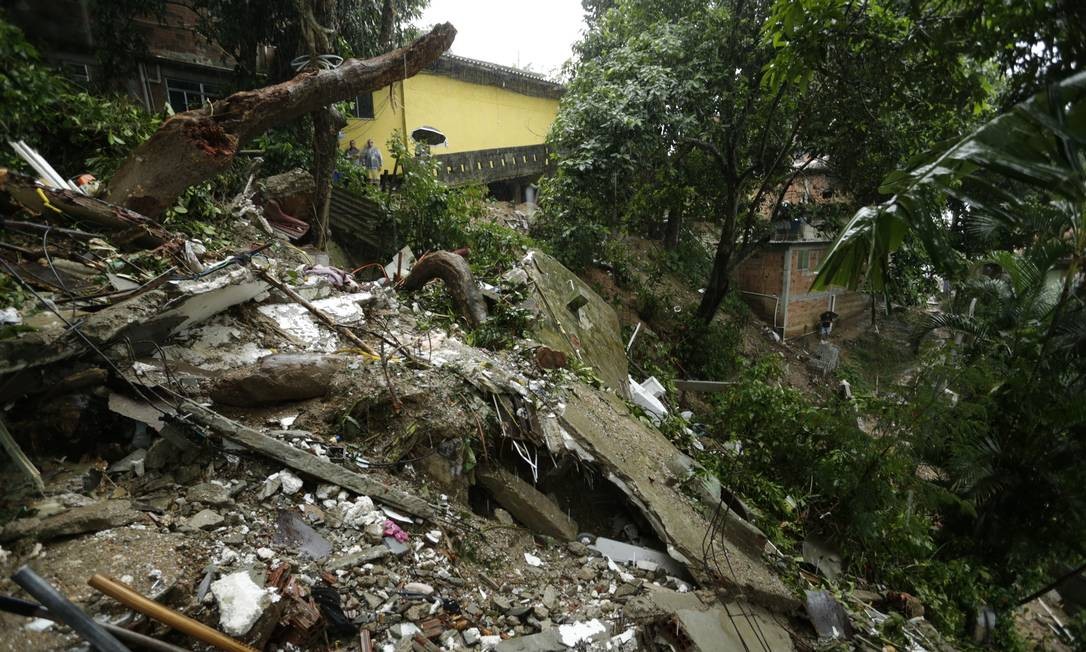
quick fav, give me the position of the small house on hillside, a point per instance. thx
(776, 281)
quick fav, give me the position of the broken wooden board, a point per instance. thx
(20, 459)
(635, 458)
(306, 463)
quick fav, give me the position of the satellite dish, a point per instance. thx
(428, 135)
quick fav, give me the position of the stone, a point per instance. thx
(527, 504)
(500, 603)
(404, 630)
(471, 636)
(417, 612)
(546, 641)
(203, 520)
(550, 597)
(277, 379)
(359, 558)
(134, 462)
(577, 548)
(102, 515)
(503, 517)
(209, 493)
(241, 602)
(451, 640)
(519, 611)
(626, 589)
(418, 587)
(548, 358)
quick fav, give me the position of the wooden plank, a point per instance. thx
(306, 463)
(704, 386)
(19, 457)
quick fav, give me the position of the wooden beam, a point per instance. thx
(20, 458)
(306, 463)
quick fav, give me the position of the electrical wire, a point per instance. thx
(74, 328)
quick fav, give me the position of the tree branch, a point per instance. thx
(196, 145)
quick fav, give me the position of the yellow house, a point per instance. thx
(494, 117)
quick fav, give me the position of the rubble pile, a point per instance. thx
(252, 449)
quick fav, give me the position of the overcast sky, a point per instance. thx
(535, 34)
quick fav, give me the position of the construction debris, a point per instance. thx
(286, 452)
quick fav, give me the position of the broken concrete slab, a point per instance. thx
(278, 378)
(297, 321)
(96, 516)
(208, 493)
(359, 558)
(635, 456)
(203, 520)
(628, 553)
(549, 640)
(695, 625)
(526, 503)
(589, 331)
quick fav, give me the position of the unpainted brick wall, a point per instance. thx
(762, 273)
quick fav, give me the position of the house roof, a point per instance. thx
(491, 74)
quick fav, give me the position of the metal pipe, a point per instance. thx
(32, 610)
(66, 612)
(776, 305)
(133, 600)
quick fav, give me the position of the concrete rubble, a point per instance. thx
(276, 481)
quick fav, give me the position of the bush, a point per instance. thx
(75, 131)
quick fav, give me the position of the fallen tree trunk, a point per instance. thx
(24, 191)
(454, 270)
(196, 145)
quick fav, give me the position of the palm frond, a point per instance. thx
(1038, 144)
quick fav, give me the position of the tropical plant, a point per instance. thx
(1020, 370)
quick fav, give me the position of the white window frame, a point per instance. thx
(205, 92)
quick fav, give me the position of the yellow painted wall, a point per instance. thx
(472, 116)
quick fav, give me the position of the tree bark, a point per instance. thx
(196, 145)
(326, 122)
(673, 228)
(388, 23)
(454, 270)
(720, 275)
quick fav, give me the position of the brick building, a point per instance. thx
(776, 280)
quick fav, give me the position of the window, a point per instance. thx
(186, 95)
(807, 261)
(363, 106)
(77, 72)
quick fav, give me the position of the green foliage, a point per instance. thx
(288, 147)
(1036, 145)
(75, 131)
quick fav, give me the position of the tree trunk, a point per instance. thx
(454, 270)
(326, 125)
(196, 145)
(720, 275)
(673, 228)
(388, 24)
(326, 122)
